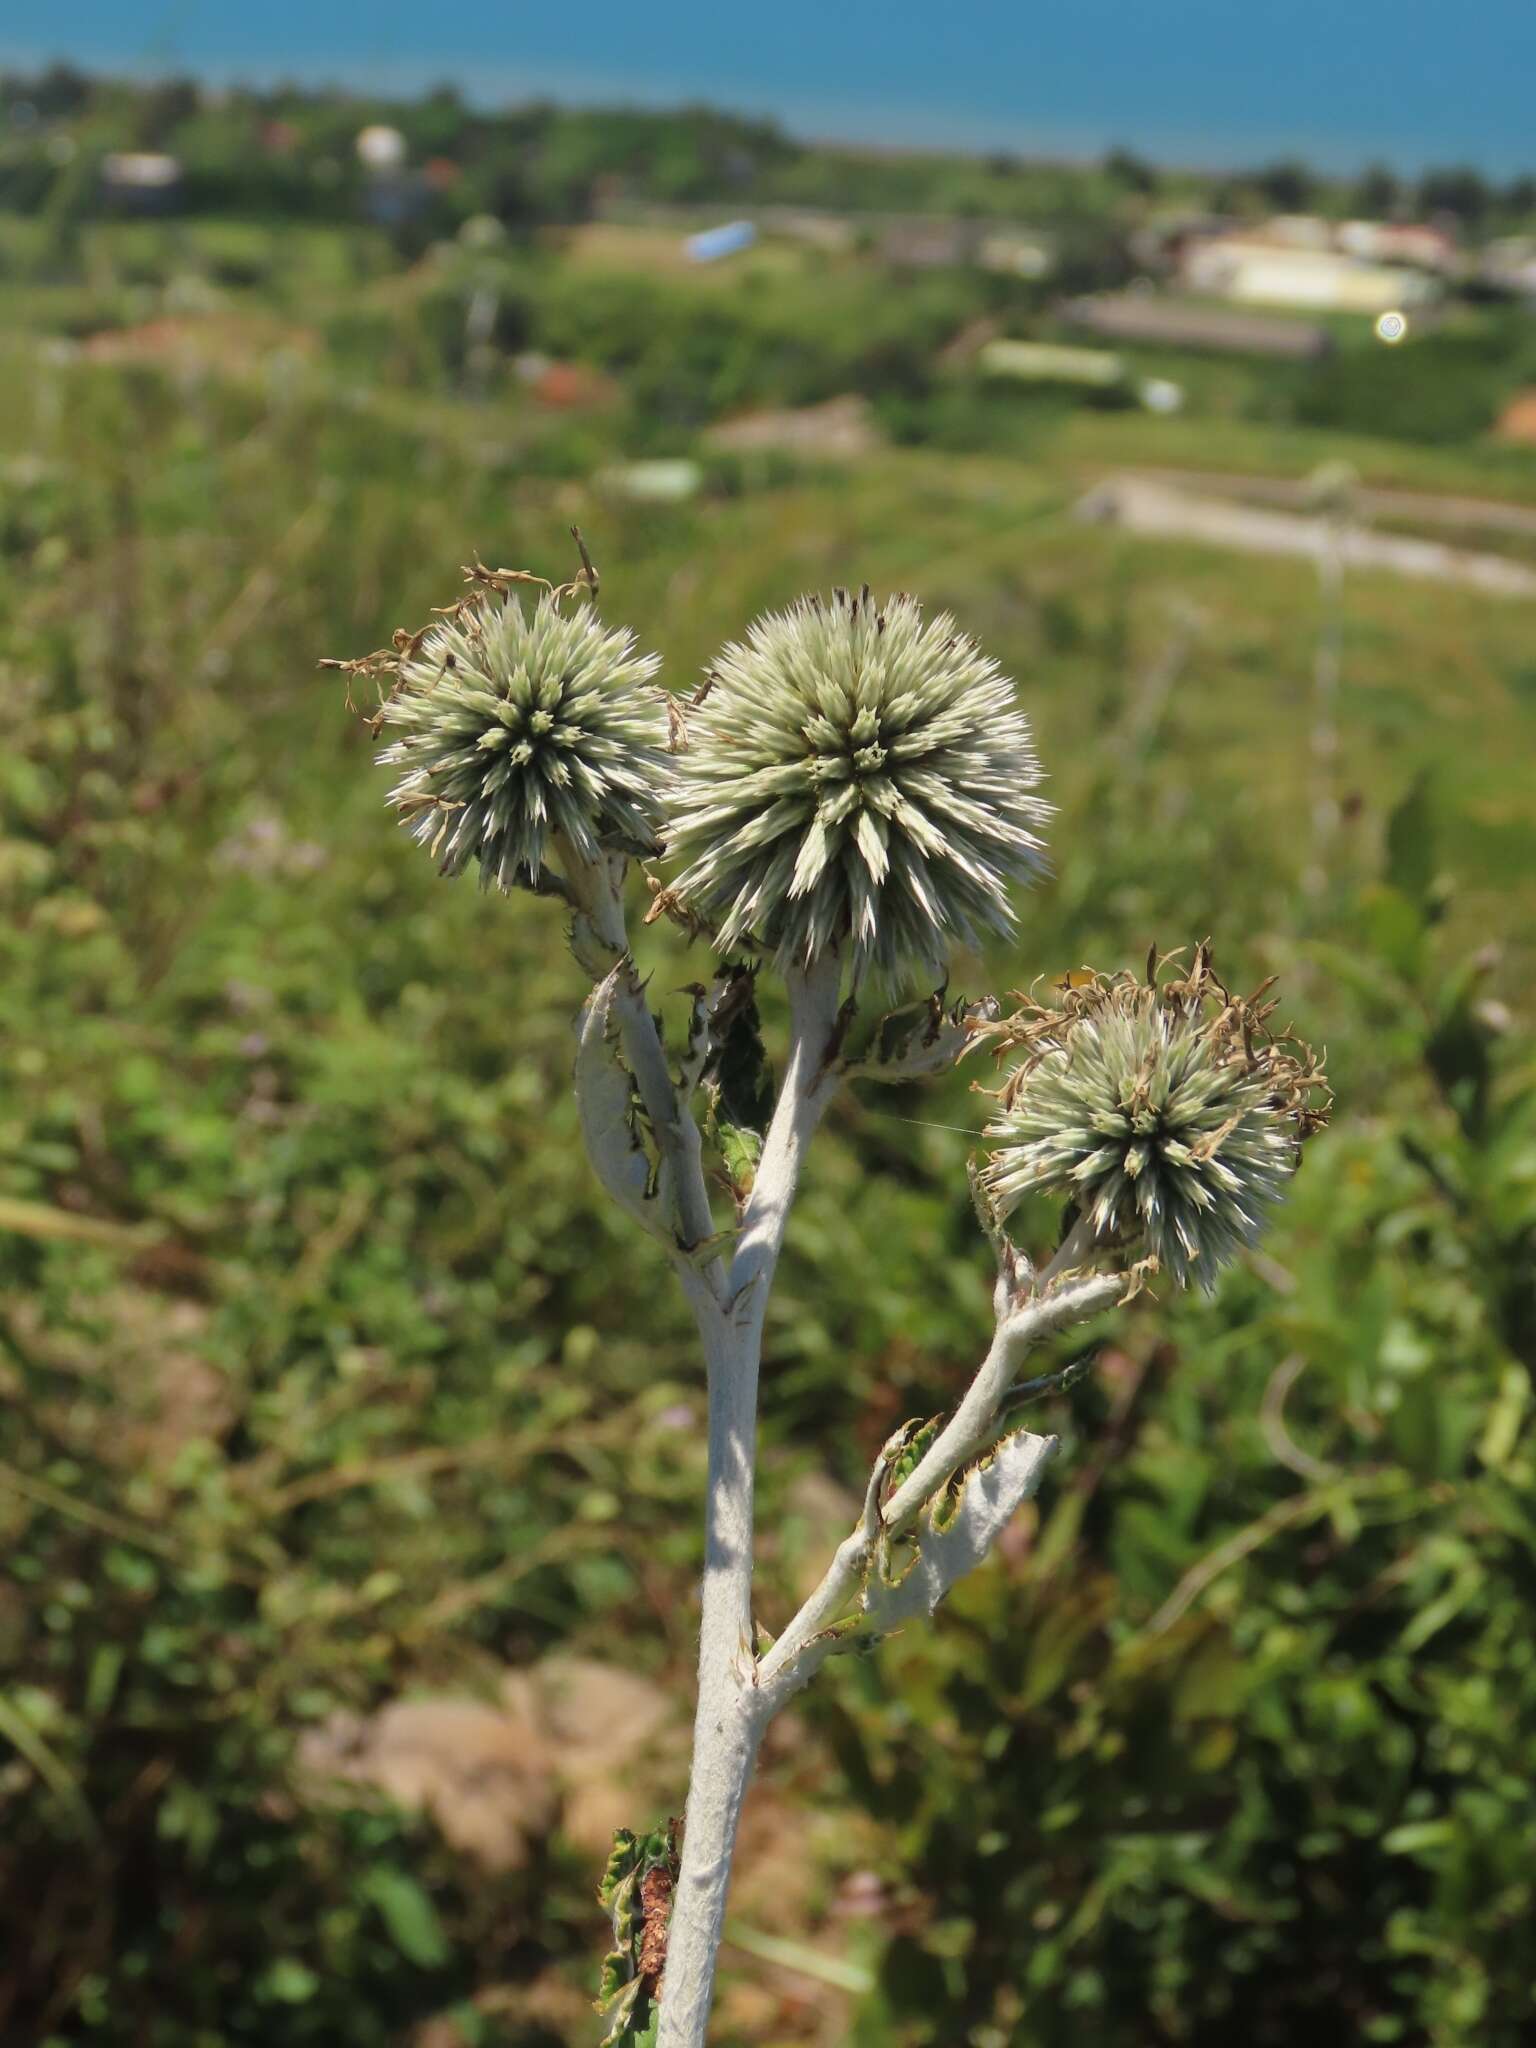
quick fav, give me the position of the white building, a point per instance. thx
(1256, 271)
(140, 180)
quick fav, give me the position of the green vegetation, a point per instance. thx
(315, 1393)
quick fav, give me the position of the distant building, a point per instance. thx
(1047, 362)
(839, 430)
(1257, 270)
(715, 243)
(1014, 253)
(665, 481)
(1510, 265)
(819, 229)
(914, 241)
(141, 180)
(1400, 241)
(1162, 243)
(380, 150)
(921, 244)
(1167, 323)
(1299, 231)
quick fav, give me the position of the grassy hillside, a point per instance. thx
(330, 1380)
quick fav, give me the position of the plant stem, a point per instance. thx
(726, 1730)
(970, 1428)
(804, 1645)
(729, 1723)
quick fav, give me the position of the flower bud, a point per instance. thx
(856, 776)
(1167, 1113)
(515, 727)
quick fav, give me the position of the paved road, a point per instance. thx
(1143, 505)
(1428, 508)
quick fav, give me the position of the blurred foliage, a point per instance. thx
(287, 151)
(560, 232)
(1236, 1751)
(329, 1379)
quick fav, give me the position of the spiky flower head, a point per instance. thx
(1166, 1111)
(519, 724)
(856, 774)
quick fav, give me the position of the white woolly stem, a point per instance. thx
(804, 1645)
(810, 1082)
(737, 1695)
(970, 1428)
(731, 1715)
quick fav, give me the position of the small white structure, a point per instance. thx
(1161, 395)
(663, 481)
(1013, 253)
(140, 181)
(140, 170)
(1048, 362)
(379, 149)
(714, 243)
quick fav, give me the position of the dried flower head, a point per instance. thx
(858, 775)
(517, 725)
(1166, 1110)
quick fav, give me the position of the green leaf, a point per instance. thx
(289, 1981)
(740, 1151)
(1411, 852)
(408, 1914)
(1418, 1834)
(737, 1082)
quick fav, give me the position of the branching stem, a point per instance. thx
(738, 1695)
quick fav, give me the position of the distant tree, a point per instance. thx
(1459, 190)
(1130, 170)
(436, 125)
(1288, 186)
(1090, 257)
(59, 90)
(165, 106)
(1520, 194)
(1377, 191)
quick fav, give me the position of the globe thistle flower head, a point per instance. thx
(1167, 1112)
(856, 774)
(516, 725)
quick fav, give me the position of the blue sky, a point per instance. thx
(1202, 81)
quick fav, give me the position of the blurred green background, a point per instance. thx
(351, 1454)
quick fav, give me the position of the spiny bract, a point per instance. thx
(1167, 1114)
(858, 775)
(517, 726)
